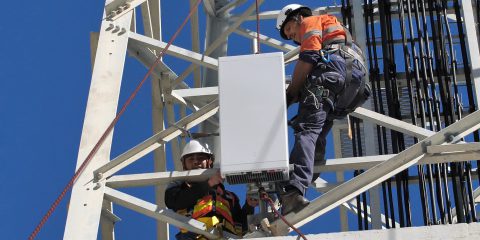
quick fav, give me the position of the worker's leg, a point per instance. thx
(307, 126)
(320, 146)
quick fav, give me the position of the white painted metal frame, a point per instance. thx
(93, 193)
(379, 173)
(87, 199)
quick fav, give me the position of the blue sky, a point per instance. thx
(45, 76)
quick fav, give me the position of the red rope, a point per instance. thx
(267, 199)
(258, 27)
(108, 130)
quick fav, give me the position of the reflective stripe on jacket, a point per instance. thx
(216, 207)
(209, 205)
(318, 31)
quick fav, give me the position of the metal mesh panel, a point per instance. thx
(405, 110)
(254, 177)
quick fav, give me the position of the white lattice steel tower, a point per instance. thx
(99, 187)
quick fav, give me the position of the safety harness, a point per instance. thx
(351, 95)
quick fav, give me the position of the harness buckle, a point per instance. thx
(322, 92)
(325, 56)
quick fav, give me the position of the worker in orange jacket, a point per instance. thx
(207, 201)
(328, 62)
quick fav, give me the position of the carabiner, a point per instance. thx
(325, 56)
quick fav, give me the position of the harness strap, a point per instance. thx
(348, 51)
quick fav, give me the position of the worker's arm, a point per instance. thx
(240, 214)
(182, 195)
(300, 73)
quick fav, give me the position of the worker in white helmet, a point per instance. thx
(207, 201)
(328, 82)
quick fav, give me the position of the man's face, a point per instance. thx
(197, 161)
(292, 30)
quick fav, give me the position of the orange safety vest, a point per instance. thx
(318, 31)
(215, 205)
(209, 205)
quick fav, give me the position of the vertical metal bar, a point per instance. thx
(378, 105)
(171, 116)
(159, 156)
(391, 90)
(429, 69)
(408, 213)
(158, 122)
(340, 176)
(385, 205)
(358, 198)
(107, 223)
(463, 190)
(147, 21)
(472, 43)
(471, 77)
(474, 56)
(195, 35)
(359, 21)
(435, 101)
(421, 104)
(447, 194)
(392, 209)
(86, 201)
(413, 108)
(359, 206)
(216, 26)
(425, 67)
(471, 198)
(356, 122)
(459, 208)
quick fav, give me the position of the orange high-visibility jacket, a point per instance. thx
(186, 199)
(318, 31)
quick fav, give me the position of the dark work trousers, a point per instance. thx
(309, 125)
(312, 124)
(320, 146)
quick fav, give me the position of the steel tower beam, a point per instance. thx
(472, 44)
(154, 211)
(141, 41)
(93, 194)
(265, 40)
(87, 199)
(368, 129)
(380, 172)
(155, 141)
(151, 16)
(331, 165)
(195, 35)
(219, 41)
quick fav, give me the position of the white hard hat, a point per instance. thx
(194, 146)
(285, 13)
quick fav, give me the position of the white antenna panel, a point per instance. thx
(253, 118)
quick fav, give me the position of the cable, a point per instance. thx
(258, 27)
(264, 196)
(108, 130)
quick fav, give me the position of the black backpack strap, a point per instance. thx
(348, 37)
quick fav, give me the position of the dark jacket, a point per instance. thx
(181, 196)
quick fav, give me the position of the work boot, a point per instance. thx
(292, 200)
